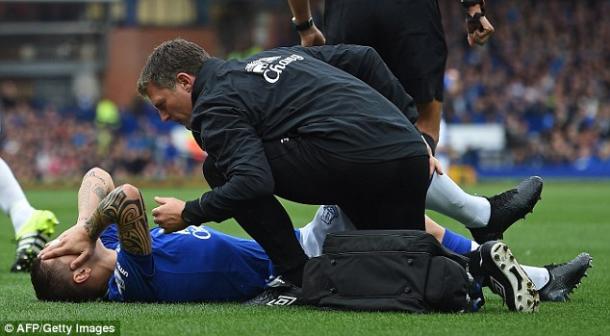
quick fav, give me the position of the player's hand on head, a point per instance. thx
(168, 215)
(74, 241)
(62, 244)
(312, 37)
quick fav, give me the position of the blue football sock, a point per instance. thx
(456, 242)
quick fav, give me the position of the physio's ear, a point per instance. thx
(185, 80)
(81, 275)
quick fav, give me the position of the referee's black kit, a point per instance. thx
(322, 125)
(408, 34)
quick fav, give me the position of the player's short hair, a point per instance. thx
(52, 281)
(167, 60)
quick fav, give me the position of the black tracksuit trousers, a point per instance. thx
(387, 195)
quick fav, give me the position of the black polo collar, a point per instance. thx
(208, 69)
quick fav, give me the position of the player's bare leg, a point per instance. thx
(429, 121)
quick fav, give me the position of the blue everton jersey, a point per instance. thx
(195, 264)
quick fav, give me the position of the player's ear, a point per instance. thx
(185, 80)
(81, 275)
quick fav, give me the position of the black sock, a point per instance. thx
(475, 269)
(474, 265)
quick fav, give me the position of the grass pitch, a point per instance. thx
(572, 217)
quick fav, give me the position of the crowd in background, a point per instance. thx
(43, 143)
(545, 75)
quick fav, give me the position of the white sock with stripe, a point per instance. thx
(448, 198)
(539, 275)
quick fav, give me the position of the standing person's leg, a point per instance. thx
(409, 37)
(351, 21)
(33, 228)
(267, 222)
(416, 52)
(429, 121)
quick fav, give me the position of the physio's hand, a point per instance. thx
(312, 37)
(74, 241)
(168, 214)
(435, 165)
(479, 31)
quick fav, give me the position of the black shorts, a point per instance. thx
(408, 34)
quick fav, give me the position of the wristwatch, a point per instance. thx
(302, 26)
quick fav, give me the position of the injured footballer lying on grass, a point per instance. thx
(127, 262)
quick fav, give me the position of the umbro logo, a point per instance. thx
(282, 300)
(270, 67)
(497, 287)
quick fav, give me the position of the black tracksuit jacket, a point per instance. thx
(341, 98)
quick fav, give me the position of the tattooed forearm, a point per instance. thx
(84, 202)
(106, 213)
(95, 186)
(129, 214)
(100, 185)
(99, 192)
(95, 175)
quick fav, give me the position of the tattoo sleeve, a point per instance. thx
(130, 216)
(92, 190)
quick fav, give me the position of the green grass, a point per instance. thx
(572, 217)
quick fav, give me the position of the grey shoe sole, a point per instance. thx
(509, 280)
